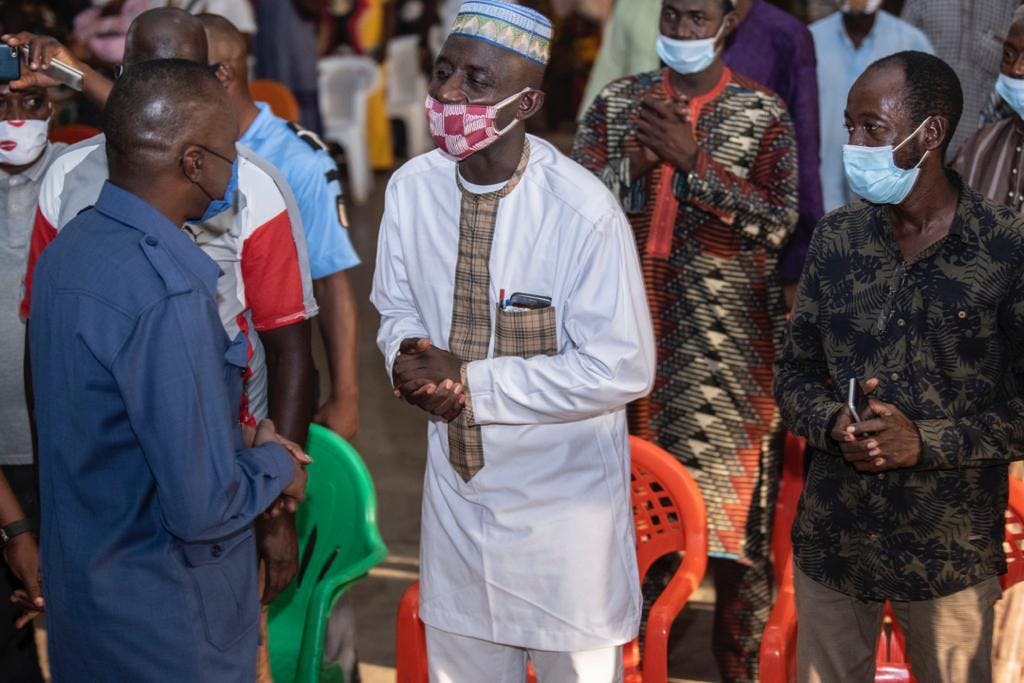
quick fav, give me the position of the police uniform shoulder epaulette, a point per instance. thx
(165, 266)
(307, 136)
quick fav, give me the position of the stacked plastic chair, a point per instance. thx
(345, 84)
(407, 91)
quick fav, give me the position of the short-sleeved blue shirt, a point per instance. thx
(315, 182)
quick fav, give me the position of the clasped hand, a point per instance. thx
(665, 131)
(884, 439)
(295, 492)
(429, 378)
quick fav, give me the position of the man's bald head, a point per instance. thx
(165, 33)
(158, 109)
(227, 45)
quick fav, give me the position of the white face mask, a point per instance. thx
(870, 7)
(21, 142)
(688, 56)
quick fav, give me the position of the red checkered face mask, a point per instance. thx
(462, 129)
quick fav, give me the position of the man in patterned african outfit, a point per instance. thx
(704, 163)
(919, 294)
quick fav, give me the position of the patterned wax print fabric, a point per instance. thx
(715, 301)
(945, 335)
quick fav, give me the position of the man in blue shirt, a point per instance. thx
(846, 43)
(148, 496)
(303, 160)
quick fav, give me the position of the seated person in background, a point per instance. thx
(254, 233)
(918, 293)
(148, 494)
(25, 154)
(992, 160)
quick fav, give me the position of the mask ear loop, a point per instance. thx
(504, 103)
(911, 137)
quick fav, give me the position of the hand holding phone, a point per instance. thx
(856, 400)
(10, 65)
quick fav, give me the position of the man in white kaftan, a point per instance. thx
(521, 270)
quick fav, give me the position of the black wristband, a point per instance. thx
(7, 533)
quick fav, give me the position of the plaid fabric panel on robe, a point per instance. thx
(470, 335)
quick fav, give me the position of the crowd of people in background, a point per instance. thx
(733, 209)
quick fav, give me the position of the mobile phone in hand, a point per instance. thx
(59, 71)
(10, 65)
(856, 400)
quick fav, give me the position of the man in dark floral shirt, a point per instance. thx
(918, 294)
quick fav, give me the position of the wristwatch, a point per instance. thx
(22, 526)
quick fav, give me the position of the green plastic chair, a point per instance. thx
(338, 545)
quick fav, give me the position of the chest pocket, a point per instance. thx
(960, 337)
(525, 333)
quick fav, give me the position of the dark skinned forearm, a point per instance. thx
(339, 328)
(289, 373)
(290, 397)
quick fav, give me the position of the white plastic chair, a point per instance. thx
(407, 90)
(346, 82)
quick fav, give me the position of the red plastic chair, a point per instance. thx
(778, 644)
(790, 486)
(281, 100)
(669, 516)
(72, 133)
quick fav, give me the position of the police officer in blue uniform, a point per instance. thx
(148, 493)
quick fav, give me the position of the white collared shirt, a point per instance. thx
(536, 550)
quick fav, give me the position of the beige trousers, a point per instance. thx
(949, 639)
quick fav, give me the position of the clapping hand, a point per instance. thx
(295, 492)
(664, 127)
(429, 378)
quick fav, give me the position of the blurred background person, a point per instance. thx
(968, 35)
(992, 159)
(286, 51)
(846, 42)
(769, 46)
(25, 154)
(238, 12)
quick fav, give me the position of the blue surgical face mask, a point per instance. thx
(1012, 92)
(688, 56)
(219, 206)
(873, 174)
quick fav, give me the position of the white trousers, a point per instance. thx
(460, 659)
